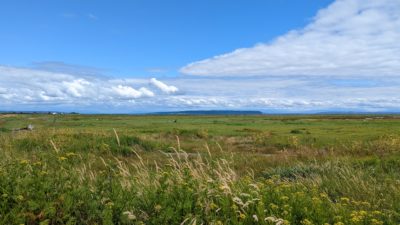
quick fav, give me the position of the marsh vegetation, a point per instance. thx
(111, 169)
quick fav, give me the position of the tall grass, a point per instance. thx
(63, 187)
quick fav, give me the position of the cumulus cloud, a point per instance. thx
(33, 86)
(348, 38)
(163, 87)
(131, 93)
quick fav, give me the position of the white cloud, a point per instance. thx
(76, 87)
(33, 86)
(27, 89)
(348, 38)
(146, 92)
(131, 93)
(163, 87)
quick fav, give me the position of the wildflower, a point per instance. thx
(284, 198)
(306, 222)
(269, 181)
(376, 222)
(365, 204)
(20, 198)
(358, 216)
(23, 161)
(323, 195)
(273, 206)
(62, 158)
(242, 216)
(157, 208)
(37, 163)
(213, 206)
(376, 213)
(345, 200)
(69, 154)
(224, 187)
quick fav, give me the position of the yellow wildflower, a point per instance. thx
(70, 154)
(376, 213)
(213, 206)
(345, 200)
(24, 161)
(376, 222)
(306, 222)
(358, 216)
(37, 163)
(157, 208)
(323, 195)
(284, 198)
(269, 181)
(365, 204)
(273, 206)
(20, 198)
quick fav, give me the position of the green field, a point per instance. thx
(269, 169)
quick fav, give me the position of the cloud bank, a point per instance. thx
(28, 86)
(348, 38)
(33, 89)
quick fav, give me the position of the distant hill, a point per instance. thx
(210, 112)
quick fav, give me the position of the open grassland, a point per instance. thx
(116, 169)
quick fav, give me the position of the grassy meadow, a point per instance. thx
(120, 169)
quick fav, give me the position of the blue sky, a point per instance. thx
(134, 38)
(144, 56)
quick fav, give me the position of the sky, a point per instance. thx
(138, 56)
